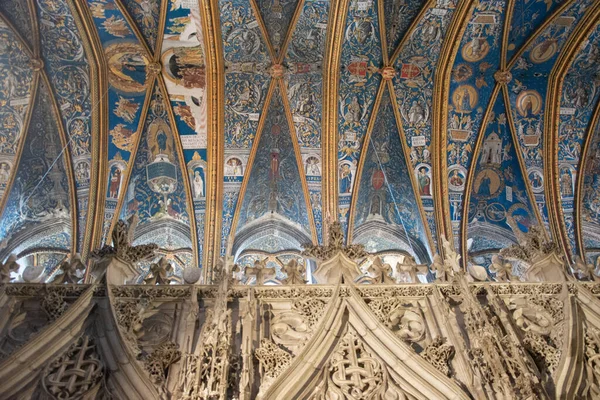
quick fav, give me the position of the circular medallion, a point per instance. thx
(464, 98)
(457, 175)
(475, 50)
(543, 51)
(488, 184)
(536, 178)
(529, 103)
(127, 67)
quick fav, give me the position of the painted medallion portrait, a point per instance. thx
(536, 178)
(488, 183)
(126, 67)
(475, 50)
(529, 103)
(464, 98)
(456, 178)
(543, 51)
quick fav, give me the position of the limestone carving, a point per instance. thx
(502, 269)
(443, 271)
(532, 245)
(157, 362)
(592, 358)
(451, 257)
(405, 320)
(495, 357)
(353, 373)
(381, 272)
(54, 304)
(159, 273)
(260, 271)
(439, 353)
(294, 273)
(76, 374)
(584, 271)
(7, 268)
(541, 319)
(72, 270)
(122, 237)
(334, 245)
(273, 360)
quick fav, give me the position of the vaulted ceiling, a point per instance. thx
(243, 126)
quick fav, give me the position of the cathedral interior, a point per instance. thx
(299, 199)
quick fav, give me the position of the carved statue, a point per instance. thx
(122, 238)
(502, 269)
(334, 245)
(381, 272)
(261, 271)
(294, 273)
(443, 271)
(9, 266)
(451, 257)
(408, 269)
(159, 273)
(71, 270)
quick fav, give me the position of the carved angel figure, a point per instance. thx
(583, 271)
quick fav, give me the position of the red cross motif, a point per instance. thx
(409, 71)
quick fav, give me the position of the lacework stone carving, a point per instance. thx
(592, 360)
(334, 245)
(76, 374)
(532, 245)
(310, 309)
(273, 358)
(439, 353)
(353, 373)
(54, 304)
(122, 237)
(157, 362)
(130, 317)
(541, 318)
(497, 360)
(405, 320)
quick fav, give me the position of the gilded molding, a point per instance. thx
(298, 155)
(135, 29)
(215, 95)
(513, 131)
(149, 90)
(540, 29)
(99, 124)
(35, 29)
(579, 185)
(426, 6)
(183, 167)
(364, 150)
(338, 13)
(162, 21)
(250, 164)
(263, 30)
(464, 222)
(509, 9)
(441, 94)
(23, 136)
(290, 32)
(552, 122)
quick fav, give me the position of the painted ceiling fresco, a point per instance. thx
(446, 112)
